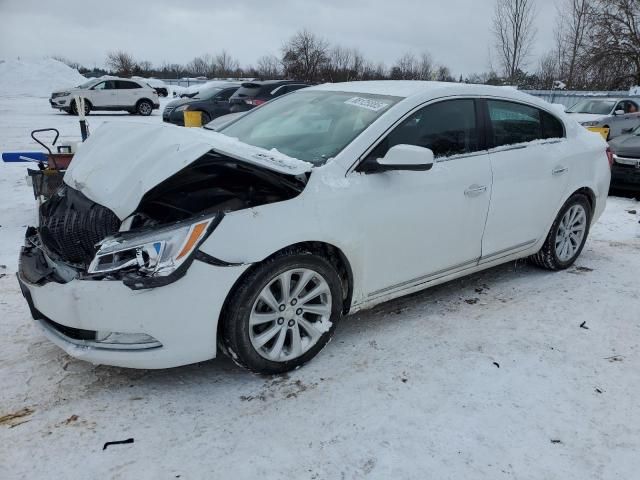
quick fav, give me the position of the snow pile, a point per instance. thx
(36, 78)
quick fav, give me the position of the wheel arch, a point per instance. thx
(587, 192)
(144, 99)
(323, 249)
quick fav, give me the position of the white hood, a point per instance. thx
(586, 117)
(122, 161)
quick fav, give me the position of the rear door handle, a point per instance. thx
(475, 190)
(559, 170)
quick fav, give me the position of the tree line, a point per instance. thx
(596, 47)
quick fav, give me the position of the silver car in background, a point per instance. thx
(619, 115)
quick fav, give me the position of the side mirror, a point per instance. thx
(619, 112)
(401, 157)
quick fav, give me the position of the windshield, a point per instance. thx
(310, 125)
(598, 107)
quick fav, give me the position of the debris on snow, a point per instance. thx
(117, 442)
(584, 325)
(11, 419)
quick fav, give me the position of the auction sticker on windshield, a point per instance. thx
(368, 103)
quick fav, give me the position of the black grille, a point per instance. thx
(71, 225)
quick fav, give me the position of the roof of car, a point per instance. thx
(273, 82)
(409, 88)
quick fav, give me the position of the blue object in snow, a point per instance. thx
(24, 157)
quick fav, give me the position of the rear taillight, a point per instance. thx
(610, 157)
(254, 101)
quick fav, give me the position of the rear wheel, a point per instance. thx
(567, 236)
(144, 108)
(283, 313)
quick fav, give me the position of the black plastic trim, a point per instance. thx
(211, 260)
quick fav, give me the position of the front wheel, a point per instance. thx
(74, 108)
(567, 236)
(283, 313)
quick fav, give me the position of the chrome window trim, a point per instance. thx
(432, 101)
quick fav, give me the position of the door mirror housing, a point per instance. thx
(401, 157)
(619, 112)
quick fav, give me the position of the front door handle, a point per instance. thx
(559, 170)
(475, 190)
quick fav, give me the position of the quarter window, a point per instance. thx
(515, 123)
(447, 128)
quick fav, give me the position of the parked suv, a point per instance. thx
(112, 93)
(212, 101)
(252, 94)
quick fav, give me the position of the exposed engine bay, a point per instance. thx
(72, 227)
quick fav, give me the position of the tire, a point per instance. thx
(205, 118)
(285, 349)
(144, 108)
(553, 255)
(74, 108)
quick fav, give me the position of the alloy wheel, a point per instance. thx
(571, 232)
(290, 315)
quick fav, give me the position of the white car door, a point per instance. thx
(102, 94)
(128, 93)
(530, 164)
(422, 225)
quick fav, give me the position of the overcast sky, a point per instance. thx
(455, 32)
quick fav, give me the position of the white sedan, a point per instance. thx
(167, 244)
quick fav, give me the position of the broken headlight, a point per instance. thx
(157, 252)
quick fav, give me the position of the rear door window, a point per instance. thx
(447, 128)
(515, 123)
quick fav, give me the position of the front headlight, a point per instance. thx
(590, 124)
(182, 108)
(60, 94)
(158, 252)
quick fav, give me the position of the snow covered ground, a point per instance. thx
(487, 377)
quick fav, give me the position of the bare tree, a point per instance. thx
(548, 71)
(615, 41)
(269, 67)
(405, 68)
(304, 56)
(144, 67)
(226, 65)
(514, 33)
(572, 29)
(443, 74)
(425, 69)
(121, 62)
(202, 66)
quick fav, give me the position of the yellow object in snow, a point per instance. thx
(602, 131)
(192, 119)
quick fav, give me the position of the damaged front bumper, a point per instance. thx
(106, 322)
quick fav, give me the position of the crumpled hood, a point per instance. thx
(586, 117)
(122, 161)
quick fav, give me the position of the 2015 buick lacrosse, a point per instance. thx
(167, 244)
